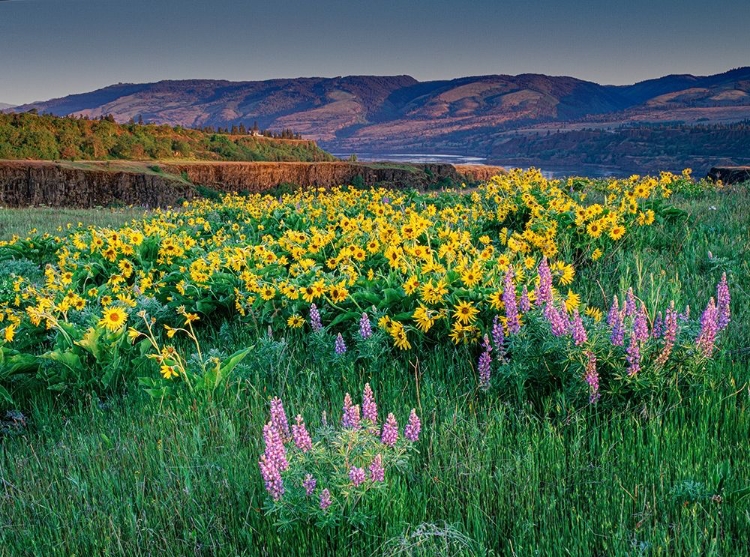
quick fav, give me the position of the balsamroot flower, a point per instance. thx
(300, 435)
(413, 427)
(389, 435)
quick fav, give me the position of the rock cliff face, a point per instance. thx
(27, 184)
(729, 174)
(32, 183)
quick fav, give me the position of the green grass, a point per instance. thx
(134, 476)
(55, 220)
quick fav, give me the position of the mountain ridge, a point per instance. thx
(465, 115)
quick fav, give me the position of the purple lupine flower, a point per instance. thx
(670, 335)
(365, 328)
(722, 301)
(685, 315)
(509, 299)
(315, 322)
(377, 472)
(275, 450)
(544, 288)
(614, 313)
(579, 332)
(658, 329)
(630, 306)
(592, 377)
(389, 434)
(278, 419)
(498, 337)
(484, 366)
(640, 324)
(709, 328)
(356, 475)
(271, 477)
(524, 304)
(300, 435)
(309, 484)
(325, 499)
(558, 320)
(633, 356)
(350, 417)
(369, 408)
(617, 338)
(412, 429)
(339, 346)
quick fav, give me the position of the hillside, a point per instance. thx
(397, 114)
(639, 149)
(47, 137)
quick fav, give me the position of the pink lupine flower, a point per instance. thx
(369, 408)
(356, 475)
(377, 472)
(278, 419)
(509, 299)
(592, 378)
(325, 499)
(309, 484)
(413, 427)
(300, 435)
(709, 328)
(389, 435)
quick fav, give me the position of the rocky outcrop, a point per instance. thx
(91, 184)
(28, 184)
(261, 176)
(729, 174)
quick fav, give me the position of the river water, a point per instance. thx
(424, 158)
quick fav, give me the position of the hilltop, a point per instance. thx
(48, 137)
(471, 115)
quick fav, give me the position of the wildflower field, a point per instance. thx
(531, 367)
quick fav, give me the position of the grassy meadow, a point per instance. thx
(146, 463)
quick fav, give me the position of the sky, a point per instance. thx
(53, 48)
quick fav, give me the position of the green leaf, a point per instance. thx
(68, 359)
(90, 341)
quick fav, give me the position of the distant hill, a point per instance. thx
(469, 115)
(4, 106)
(47, 137)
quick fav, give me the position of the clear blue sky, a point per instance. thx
(51, 48)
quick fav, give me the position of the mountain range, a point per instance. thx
(389, 114)
(5, 106)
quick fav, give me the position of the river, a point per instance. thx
(422, 158)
